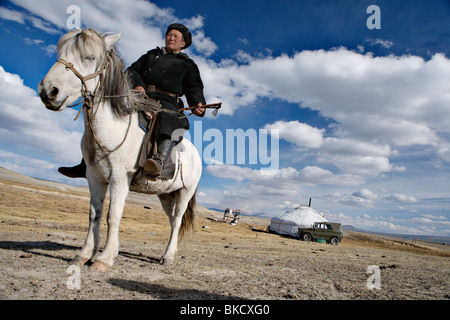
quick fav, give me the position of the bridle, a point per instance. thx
(89, 96)
(86, 94)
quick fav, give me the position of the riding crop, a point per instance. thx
(215, 106)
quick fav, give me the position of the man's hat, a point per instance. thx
(184, 31)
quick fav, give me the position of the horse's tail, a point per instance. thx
(187, 224)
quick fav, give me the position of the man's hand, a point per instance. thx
(140, 88)
(198, 110)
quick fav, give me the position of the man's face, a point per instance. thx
(174, 41)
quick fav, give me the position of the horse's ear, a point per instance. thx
(111, 40)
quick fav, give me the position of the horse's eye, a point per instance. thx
(90, 57)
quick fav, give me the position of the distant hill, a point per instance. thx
(411, 237)
(145, 199)
(352, 228)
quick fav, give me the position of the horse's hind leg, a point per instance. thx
(92, 243)
(168, 203)
(174, 204)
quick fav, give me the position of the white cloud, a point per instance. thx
(362, 199)
(284, 178)
(316, 176)
(43, 25)
(365, 194)
(33, 41)
(27, 126)
(384, 99)
(350, 200)
(402, 198)
(387, 44)
(393, 130)
(194, 23)
(443, 152)
(362, 165)
(12, 15)
(244, 41)
(381, 106)
(432, 216)
(20, 17)
(414, 225)
(298, 133)
(352, 147)
(232, 172)
(28, 166)
(347, 154)
(202, 44)
(50, 50)
(142, 23)
(258, 192)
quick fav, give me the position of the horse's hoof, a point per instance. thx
(166, 261)
(99, 266)
(79, 261)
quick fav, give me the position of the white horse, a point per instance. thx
(89, 68)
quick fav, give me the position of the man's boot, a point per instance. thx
(78, 171)
(154, 166)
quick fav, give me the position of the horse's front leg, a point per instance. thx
(118, 194)
(92, 243)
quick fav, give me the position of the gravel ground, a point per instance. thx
(43, 225)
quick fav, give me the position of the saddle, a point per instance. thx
(149, 144)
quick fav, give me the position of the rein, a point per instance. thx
(88, 98)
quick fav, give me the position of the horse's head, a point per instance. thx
(81, 60)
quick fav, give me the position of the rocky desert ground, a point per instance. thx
(43, 225)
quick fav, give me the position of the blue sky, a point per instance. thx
(355, 118)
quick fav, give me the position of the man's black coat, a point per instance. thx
(174, 73)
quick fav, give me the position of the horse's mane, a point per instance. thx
(116, 85)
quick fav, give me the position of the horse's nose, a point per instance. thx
(47, 94)
(54, 92)
(44, 96)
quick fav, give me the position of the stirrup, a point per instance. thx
(152, 169)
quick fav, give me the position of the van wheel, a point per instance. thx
(334, 241)
(307, 237)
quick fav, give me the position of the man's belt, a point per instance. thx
(152, 88)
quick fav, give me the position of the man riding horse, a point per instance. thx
(164, 74)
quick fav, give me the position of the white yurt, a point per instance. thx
(289, 222)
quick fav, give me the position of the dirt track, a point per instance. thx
(42, 225)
